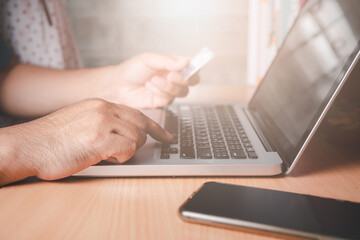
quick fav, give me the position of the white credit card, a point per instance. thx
(197, 62)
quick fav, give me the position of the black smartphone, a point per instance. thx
(275, 211)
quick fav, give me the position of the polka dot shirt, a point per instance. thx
(39, 33)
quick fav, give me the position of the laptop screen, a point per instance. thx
(306, 71)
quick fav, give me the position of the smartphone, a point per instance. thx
(274, 211)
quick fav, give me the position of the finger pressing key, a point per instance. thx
(158, 133)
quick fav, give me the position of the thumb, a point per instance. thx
(164, 62)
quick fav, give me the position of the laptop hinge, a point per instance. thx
(269, 145)
(258, 131)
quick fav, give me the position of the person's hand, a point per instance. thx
(75, 137)
(147, 81)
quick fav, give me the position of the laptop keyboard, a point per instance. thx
(206, 132)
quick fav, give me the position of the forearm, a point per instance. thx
(34, 91)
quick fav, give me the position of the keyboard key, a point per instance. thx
(250, 149)
(220, 150)
(173, 150)
(165, 150)
(204, 153)
(247, 145)
(234, 147)
(233, 142)
(165, 156)
(221, 156)
(203, 145)
(231, 139)
(198, 142)
(218, 145)
(187, 152)
(236, 154)
(243, 135)
(252, 155)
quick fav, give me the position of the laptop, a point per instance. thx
(268, 135)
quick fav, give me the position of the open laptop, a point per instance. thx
(267, 136)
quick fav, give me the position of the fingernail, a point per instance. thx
(158, 81)
(169, 135)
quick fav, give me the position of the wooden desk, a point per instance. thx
(146, 208)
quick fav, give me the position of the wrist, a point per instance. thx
(12, 166)
(100, 84)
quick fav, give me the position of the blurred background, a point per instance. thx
(110, 31)
(244, 34)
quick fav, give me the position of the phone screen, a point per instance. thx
(270, 210)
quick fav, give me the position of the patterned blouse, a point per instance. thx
(39, 33)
